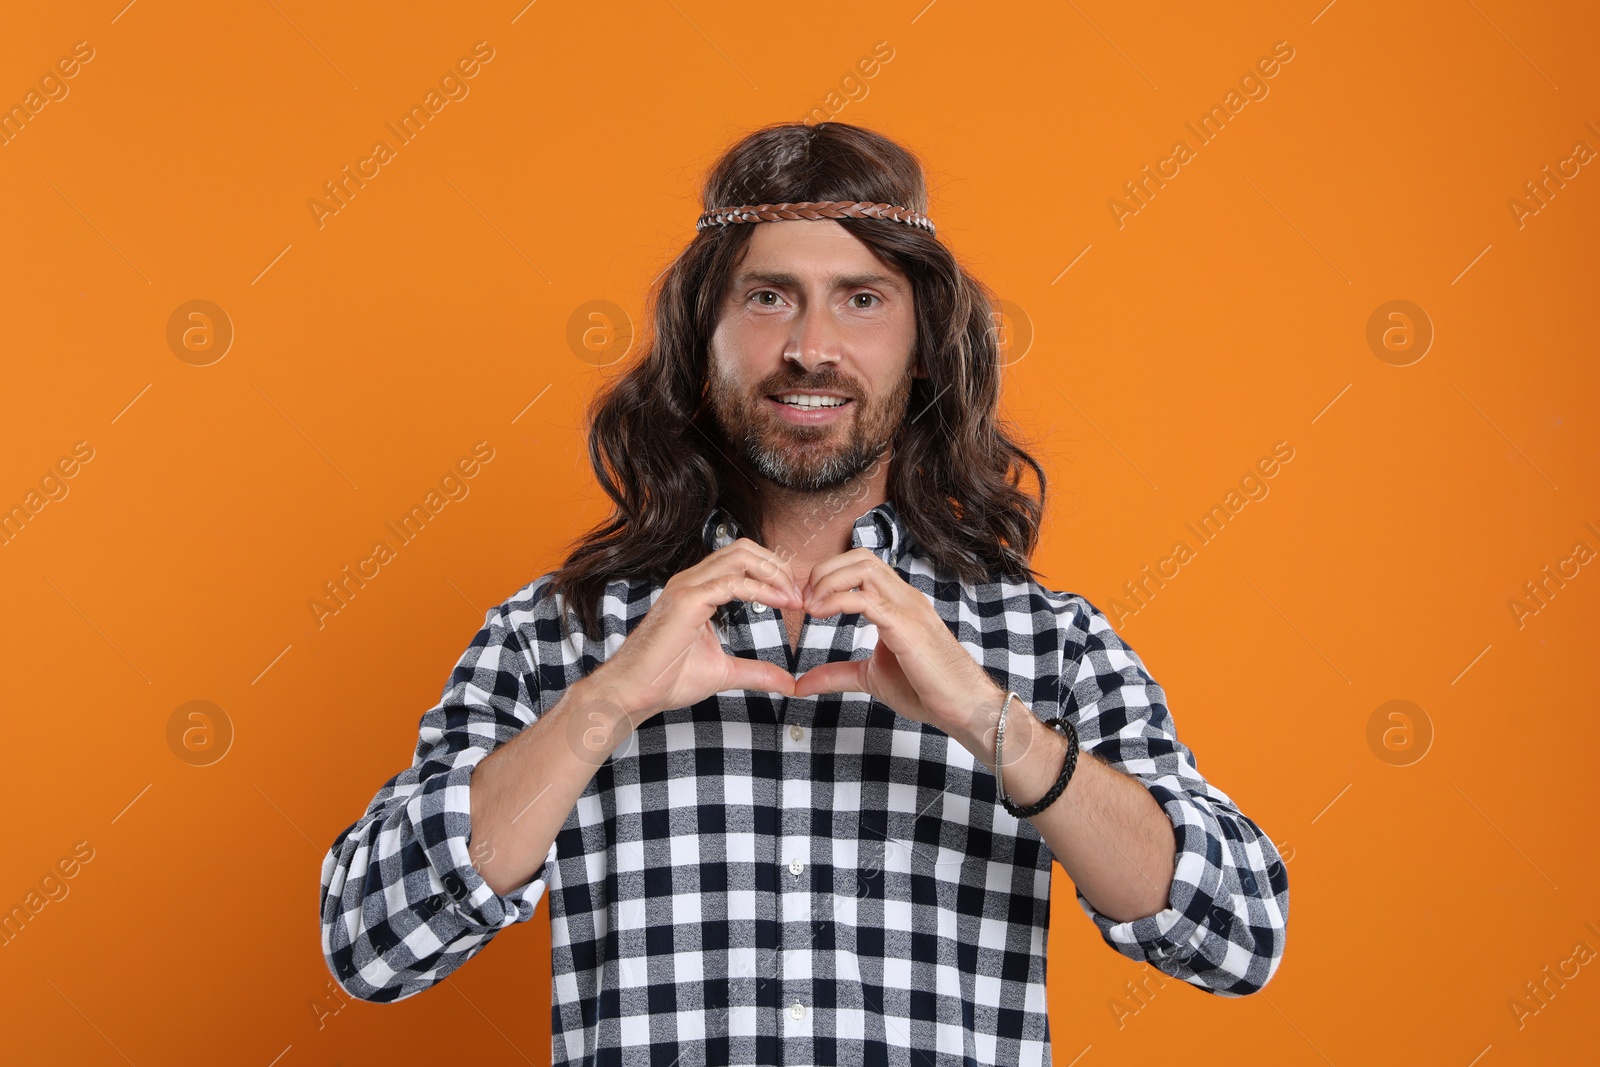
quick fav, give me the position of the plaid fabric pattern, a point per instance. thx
(755, 880)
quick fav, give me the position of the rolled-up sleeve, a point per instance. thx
(402, 904)
(1224, 926)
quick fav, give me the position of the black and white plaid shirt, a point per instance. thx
(805, 880)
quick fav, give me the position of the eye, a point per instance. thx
(869, 296)
(764, 292)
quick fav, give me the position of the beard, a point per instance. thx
(808, 459)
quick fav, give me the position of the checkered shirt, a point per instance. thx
(807, 880)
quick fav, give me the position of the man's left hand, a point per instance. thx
(918, 667)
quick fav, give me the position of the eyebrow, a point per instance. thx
(840, 281)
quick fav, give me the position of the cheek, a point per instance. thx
(726, 380)
(887, 351)
(752, 343)
(892, 334)
(732, 336)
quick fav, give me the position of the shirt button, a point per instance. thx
(796, 732)
(798, 1010)
(795, 866)
(722, 529)
(758, 606)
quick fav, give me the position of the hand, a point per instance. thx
(919, 669)
(674, 658)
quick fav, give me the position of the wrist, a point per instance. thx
(976, 732)
(592, 695)
(1032, 755)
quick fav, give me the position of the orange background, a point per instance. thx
(1228, 314)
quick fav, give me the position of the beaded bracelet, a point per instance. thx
(1061, 726)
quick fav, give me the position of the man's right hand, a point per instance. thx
(674, 658)
(524, 789)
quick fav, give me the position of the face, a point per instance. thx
(811, 311)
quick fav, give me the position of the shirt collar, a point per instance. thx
(881, 530)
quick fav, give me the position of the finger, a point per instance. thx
(844, 559)
(769, 562)
(873, 608)
(743, 554)
(773, 564)
(846, 677)
(853, 565)
(759, 675)
(766, 565)
(868, 577)
(740, 578)
(742, 586)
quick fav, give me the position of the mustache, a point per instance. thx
(826, 383)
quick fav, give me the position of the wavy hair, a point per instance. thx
(955, 472)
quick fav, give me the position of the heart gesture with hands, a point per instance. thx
(674, 658)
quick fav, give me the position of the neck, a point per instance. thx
(809, 527)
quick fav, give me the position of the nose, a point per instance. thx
(813, 341)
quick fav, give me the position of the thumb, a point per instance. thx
(759, 675)
(846, 677)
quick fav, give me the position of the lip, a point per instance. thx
(807, 418)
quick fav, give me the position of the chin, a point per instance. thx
(830, 473)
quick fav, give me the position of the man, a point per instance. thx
(792, 738)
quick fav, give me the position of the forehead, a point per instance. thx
(812, 250)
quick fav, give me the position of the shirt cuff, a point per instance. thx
(441, 811)
(1173, 934)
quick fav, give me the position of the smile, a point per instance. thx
(810, 400)
(807, 408)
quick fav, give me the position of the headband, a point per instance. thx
(814, 209)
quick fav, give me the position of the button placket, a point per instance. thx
(796, 864)
(797, 900)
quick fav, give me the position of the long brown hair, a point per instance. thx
(955, 474)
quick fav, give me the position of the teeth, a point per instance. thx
(807, 400)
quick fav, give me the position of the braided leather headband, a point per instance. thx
(814, 209)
